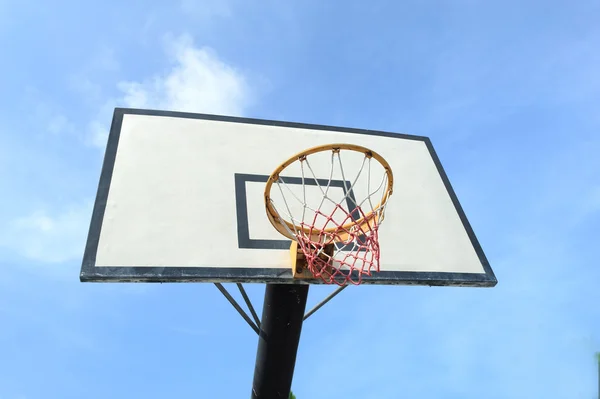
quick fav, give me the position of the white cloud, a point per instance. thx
(98, 134)
(197, 81)
(49, 238)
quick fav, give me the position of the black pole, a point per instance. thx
(598, 361)
(281, 325)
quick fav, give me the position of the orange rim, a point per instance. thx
(279, 223)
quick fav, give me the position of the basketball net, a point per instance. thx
(340, 244)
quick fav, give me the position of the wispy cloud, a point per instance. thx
(49, 236)
(197, 81)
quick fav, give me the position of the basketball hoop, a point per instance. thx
(335, 237)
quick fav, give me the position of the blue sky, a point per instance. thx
(508, 91)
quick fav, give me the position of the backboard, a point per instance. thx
(180, 199)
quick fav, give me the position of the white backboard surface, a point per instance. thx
(181, 199)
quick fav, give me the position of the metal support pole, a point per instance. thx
(324, 301)
(281, 325)
(237, 307)
(598, 361)
(249, 304)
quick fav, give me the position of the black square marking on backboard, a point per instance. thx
(241, 205)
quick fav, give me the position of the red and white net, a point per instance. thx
(343, 210)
